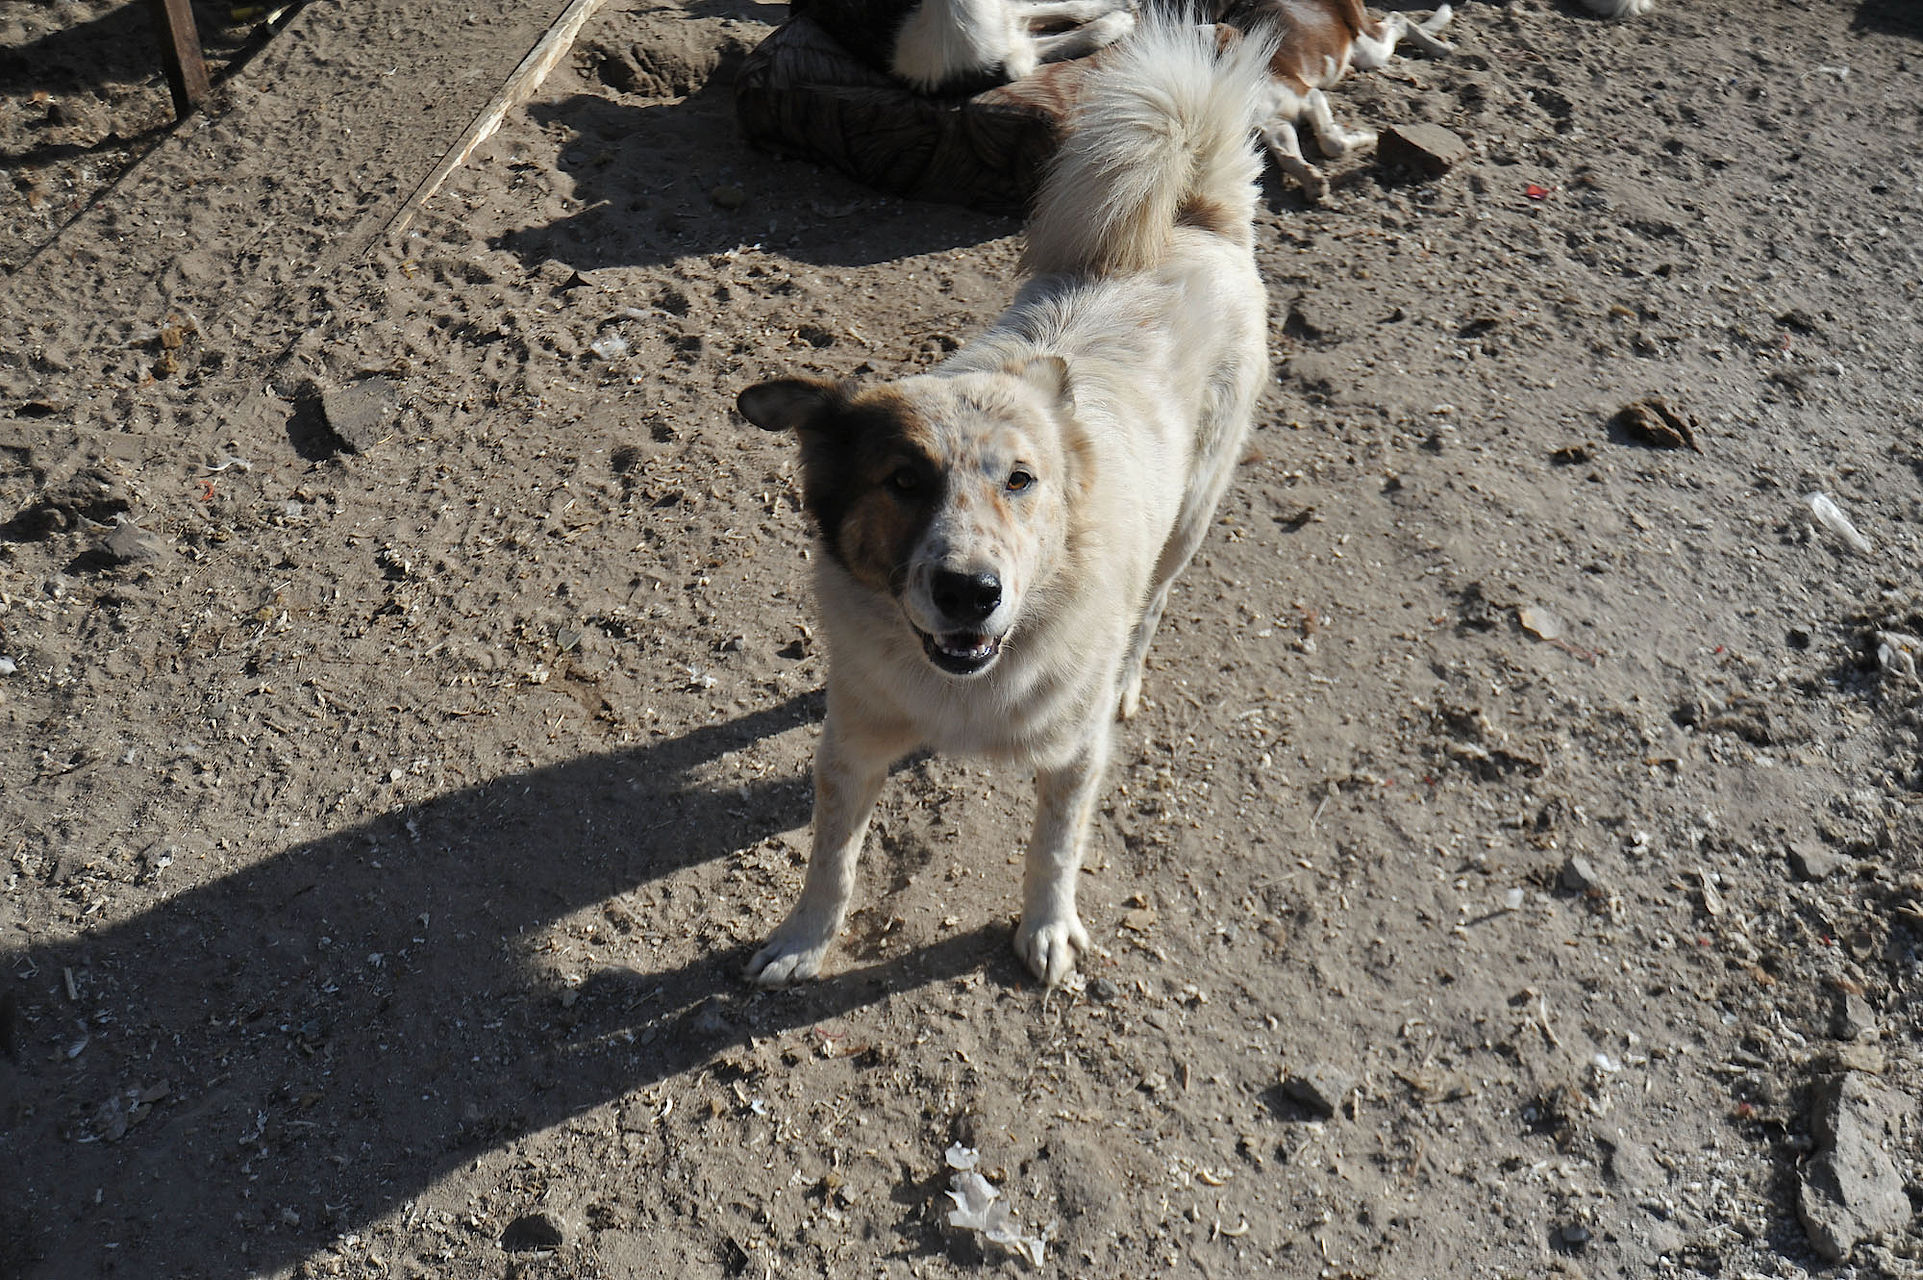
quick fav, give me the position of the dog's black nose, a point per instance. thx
(965, 598)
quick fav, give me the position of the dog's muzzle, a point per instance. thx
(961, 653)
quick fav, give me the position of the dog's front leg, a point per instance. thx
(849, 770)
(1051, 933)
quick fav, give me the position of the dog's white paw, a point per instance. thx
(1131, 700)
(792, 955)
(1111, 27)
(1049, 947)
(1336, 145)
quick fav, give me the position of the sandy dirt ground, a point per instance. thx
(407, 689)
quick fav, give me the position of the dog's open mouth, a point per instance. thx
(961, 653)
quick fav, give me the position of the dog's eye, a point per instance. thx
(1019, 480)
(904, 480)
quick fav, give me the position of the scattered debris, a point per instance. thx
(978, 1208)
(1897, 654)
(1851, 1190)
(1654, 423)
(1540, 622)
(1831, 517)
(609, 346)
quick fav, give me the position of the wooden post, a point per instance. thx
(180, 53)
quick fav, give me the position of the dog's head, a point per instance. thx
(948, 494)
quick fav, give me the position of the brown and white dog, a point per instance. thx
(1001, 533)
(1316, 42)
(962, 46)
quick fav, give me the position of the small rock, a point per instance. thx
(728, 196)
(1652, 422)
(533, 1231)
(1427, 148)
(1104, 990)
(1320, 1088)
(129, 542)
(362, 414)
(1577, 876)
(1572, 1235)
(1852, 1190)
(1810, 861)
(1633, 1168)
(1852, 1056)
(1852, 1018)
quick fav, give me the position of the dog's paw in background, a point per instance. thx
(793, 954)
(1049, 946)
(1619, 8)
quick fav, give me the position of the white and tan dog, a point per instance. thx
(1001, 533)
(1316, 42)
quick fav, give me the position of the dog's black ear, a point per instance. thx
(1048, 375)
(786, 404)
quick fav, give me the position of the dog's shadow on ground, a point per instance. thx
(267, 1060)
(674, 179)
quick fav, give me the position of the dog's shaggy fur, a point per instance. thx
(962, 46)
(1316, 42)
(1619, 8)
(1001, 533)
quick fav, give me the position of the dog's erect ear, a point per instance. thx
(786, 404)
(1048, 375)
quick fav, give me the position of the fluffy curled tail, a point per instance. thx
(1160, 138)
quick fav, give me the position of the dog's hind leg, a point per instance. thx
(1051, 935)
(1427, 36)
(1285, 148)
(849, 771)
(1076, 42)
(1045, 12)
(1334, 140)
(1374, 48)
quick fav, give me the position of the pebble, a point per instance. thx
(1852, 1018)
(1577, 876)
(1427, 148)
(1103, 989)
(1321, 1088)
(1633, 1168)
(129, 542)
(1810, 861)
(1851, 1190)
(362, 414)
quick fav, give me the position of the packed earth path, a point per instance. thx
(408, 687)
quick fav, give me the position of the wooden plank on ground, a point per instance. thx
(180, 53)
(519, 88)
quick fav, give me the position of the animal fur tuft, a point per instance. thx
(1160, 138)
(1619, 8)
